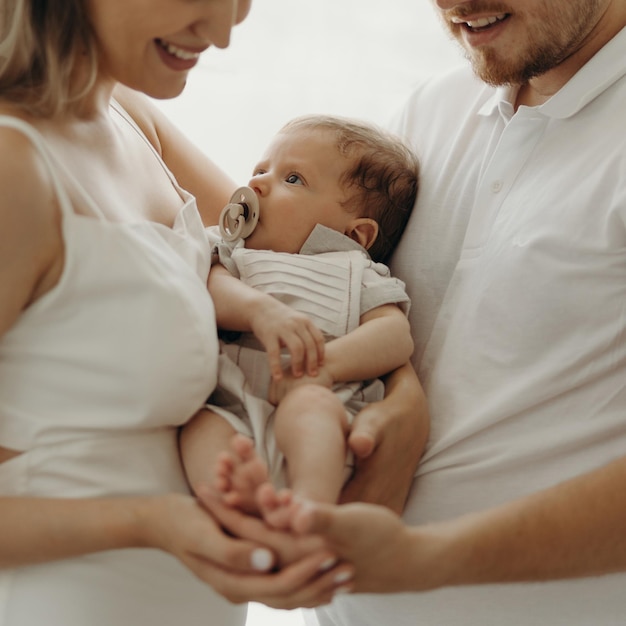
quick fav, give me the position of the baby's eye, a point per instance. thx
(294, 179)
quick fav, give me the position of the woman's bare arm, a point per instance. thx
(31, 245)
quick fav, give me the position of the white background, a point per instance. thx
(348, 57)
(358, 58)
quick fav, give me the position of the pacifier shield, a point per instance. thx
(240, 216)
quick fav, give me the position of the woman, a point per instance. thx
(107, 336)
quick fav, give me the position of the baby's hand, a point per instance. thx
(277, 326)
(279, 388)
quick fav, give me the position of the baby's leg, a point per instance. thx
(213, 453)
(310, 427)
(202, 440)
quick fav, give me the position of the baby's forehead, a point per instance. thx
(307, 134)
(311, 152)
(303, 144)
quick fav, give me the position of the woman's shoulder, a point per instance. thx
(24, 175)
(143, 113)
(30, 234)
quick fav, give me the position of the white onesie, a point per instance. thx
(332, 280)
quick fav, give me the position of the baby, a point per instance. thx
(318, 318)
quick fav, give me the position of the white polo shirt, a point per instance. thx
(515, 261)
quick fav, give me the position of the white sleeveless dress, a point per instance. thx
(95, 377)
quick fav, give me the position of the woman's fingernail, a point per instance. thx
(328, 563)
(343, 577)
(304, 506)
(344, 589)
(261, 559)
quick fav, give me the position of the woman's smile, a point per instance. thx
(177, 58)
(178, 52)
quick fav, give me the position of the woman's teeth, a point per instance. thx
(177, 52)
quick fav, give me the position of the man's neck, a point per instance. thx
(541, 88)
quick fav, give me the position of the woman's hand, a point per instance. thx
(180, 525)
(304, 573)
(388, 439)
(286, 548)
(241, 569)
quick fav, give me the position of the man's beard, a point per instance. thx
(550, 39)
(495, 71)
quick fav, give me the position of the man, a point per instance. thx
(515, 259)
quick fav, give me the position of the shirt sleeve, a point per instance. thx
(378, 287)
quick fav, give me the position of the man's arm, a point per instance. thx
(574, 529)
(388, 439)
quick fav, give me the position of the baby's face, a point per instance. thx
(297, 183)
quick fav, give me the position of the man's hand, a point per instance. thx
(388, 439)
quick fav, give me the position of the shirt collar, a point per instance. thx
(324, 239)
(606, 67)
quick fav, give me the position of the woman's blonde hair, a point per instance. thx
(42, 43)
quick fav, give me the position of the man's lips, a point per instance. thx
(479, 23)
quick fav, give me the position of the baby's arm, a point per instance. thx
(241, 307)
(381, 343)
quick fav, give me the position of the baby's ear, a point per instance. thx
(363, 230)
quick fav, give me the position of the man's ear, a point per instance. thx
(363, 230)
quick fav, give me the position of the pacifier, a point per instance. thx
(240, 216)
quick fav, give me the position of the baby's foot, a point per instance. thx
(239, 474)
(277, 507)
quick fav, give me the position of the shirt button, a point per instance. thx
(496, 186)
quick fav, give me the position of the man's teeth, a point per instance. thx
(481, 22)
(179, 53)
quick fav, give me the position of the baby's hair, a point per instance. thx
(41, 42)
(383, 175)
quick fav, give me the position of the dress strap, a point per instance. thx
(127, 118)
(8, 121)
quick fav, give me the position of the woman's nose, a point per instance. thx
(243, 8)
(218, 20)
